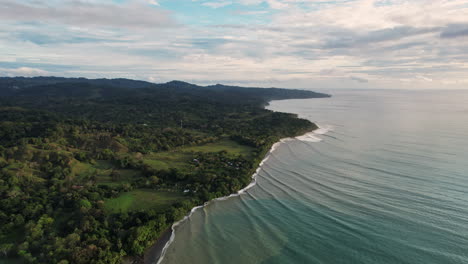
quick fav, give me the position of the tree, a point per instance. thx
(115, 175)
(6, 249)
(154, 180)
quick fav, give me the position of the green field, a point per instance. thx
(103, 169)
(81, 169)
(141, 200)
(181, 158)
(103, 165)
(167, 160)
(227, 145)
(124, 176)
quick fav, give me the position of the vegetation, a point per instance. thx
(230, 146)
(94, 170)
(143, 199)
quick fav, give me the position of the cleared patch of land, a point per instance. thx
(117, 176)
(167, 160)
(104, 171)
(180, 159)
(142, 199)
(227, 145)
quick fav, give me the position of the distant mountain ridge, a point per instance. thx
(99, 88)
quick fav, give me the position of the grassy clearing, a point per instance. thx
(81, 169)
(52, 147)
(227, 145)
(121, 176)
(181, 158)
(106, 173)
(103, 165)
(142, 199)
(170, 159)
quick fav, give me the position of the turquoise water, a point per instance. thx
(386, 183)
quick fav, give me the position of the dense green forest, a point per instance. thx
(95, 170)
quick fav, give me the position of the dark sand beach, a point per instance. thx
(153, 253)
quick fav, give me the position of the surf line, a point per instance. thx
(309, 137)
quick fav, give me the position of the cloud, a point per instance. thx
(251, 13)
(293, 43)
(134, 14)
(44, 39)
(358, 79)
(275, 4)
(455, 31)
(153, 2)
(424, 78)
(362, 16)
(23, 71)
(217, 4)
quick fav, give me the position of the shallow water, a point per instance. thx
(384, 181)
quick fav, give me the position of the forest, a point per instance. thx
(95, 170)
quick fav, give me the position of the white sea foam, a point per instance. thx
(286, 140)
(323, 129)
(310, 137)
(313, 136)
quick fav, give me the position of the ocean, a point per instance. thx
(384, 180)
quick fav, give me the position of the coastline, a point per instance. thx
(155, 254)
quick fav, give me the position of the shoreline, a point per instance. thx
(158, 250)
(153, 253)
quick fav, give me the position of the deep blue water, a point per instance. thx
(386, 183)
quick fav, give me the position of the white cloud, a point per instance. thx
(153, 2)
(23, 71)
(359, 79)
(307, 43)
(134, 14)
(275, 4)
(217, 4)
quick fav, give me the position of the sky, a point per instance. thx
(417, 44)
